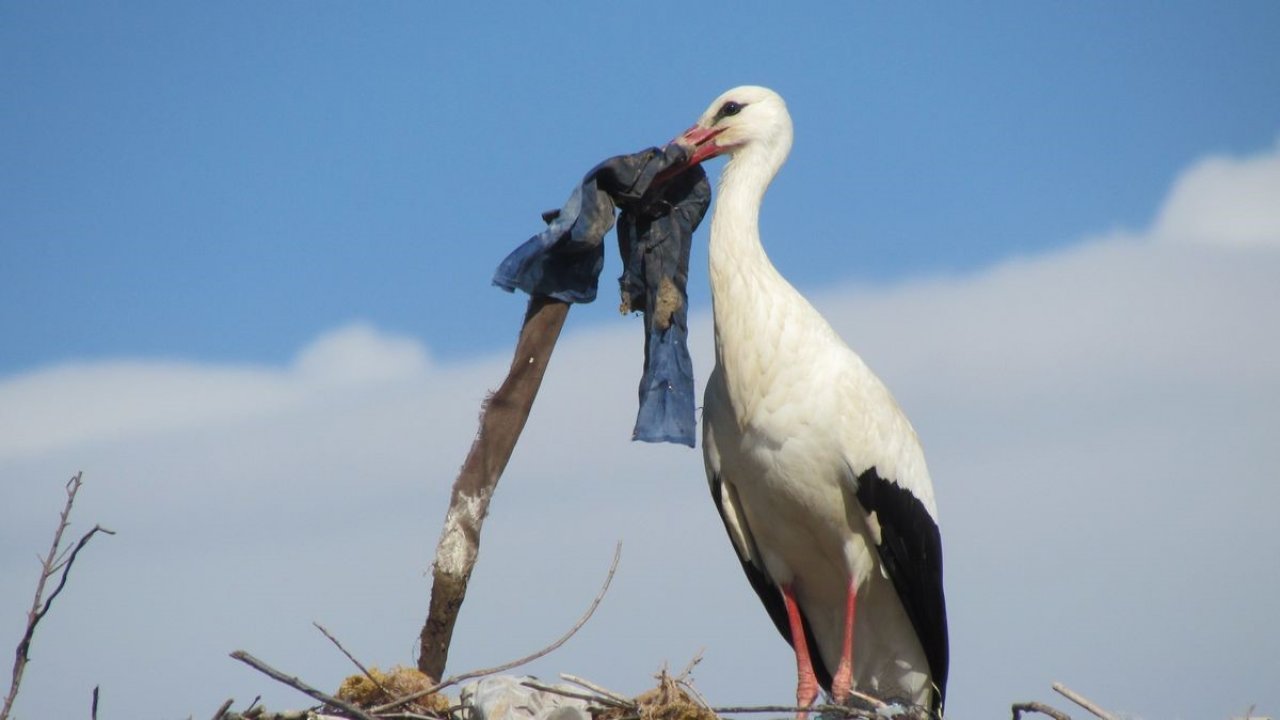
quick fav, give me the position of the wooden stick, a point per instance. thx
(613, 567)
(298, 685)
(501, 423)
(1023, 707)
(222, 709)
(1082, 701)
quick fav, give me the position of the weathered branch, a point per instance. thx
(589, 697)
(354, 661)
(501, 423)
(58, 559)
(298, 685)
(222, 709)
(613, 567)
(1025, 707)
(1082, 701)
(598, 689)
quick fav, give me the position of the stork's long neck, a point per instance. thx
(749, 296)
(735, 226)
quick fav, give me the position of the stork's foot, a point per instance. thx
(842, 682)
(806, 692)
(806, 680)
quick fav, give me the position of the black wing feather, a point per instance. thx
(771, 595)
(911, 552)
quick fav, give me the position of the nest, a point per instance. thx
(380, 687)
(667, 701)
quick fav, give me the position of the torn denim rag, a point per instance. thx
(655, 233)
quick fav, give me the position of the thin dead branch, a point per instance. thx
(298, 685)
(222, 709)
(501, 423)
(613, 567)
(376, 683)
(1036, 707)
(59, 559)
(260, 714)
(1082, 701)
(693, 662)
(598, 689)
(589, 697)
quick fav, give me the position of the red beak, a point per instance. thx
(701, 143)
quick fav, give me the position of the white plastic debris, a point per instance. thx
(502, 697)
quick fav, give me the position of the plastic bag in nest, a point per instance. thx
(399, 681)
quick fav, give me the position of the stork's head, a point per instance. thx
(747, 120)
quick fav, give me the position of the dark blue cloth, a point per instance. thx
(662, 204)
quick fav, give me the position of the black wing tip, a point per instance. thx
(911, 552)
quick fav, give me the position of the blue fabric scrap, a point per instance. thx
(662, 204)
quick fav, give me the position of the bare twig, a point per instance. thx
(1082, 701)
(298, 685)
(455, 679)
(1025, 707)
(222, 710)
(598, 689)
(93, 709)
(601, 699)
(501, 423)
(58, 559)
(352, 658)
(697, 658)
(874, 702)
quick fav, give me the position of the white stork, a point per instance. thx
(816, 471)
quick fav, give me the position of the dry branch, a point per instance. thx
(222, 709)
(58, 559)
(501, 423)
(598, 689)
(1025, 707)
(589, 697)
(298, 685)
(376, 683)
(613, 567)
(1082, 701)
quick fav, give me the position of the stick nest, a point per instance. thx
(378, 687)
(667, 701)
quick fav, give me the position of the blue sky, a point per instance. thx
(245, 253)
(225, 181)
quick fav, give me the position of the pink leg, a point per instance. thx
(842, 681)
(806, 682)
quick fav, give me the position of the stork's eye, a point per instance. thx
(730, 109)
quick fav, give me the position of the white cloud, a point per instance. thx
(1099, 422)
(78, 403)
(358, 354)
(1225, 200)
